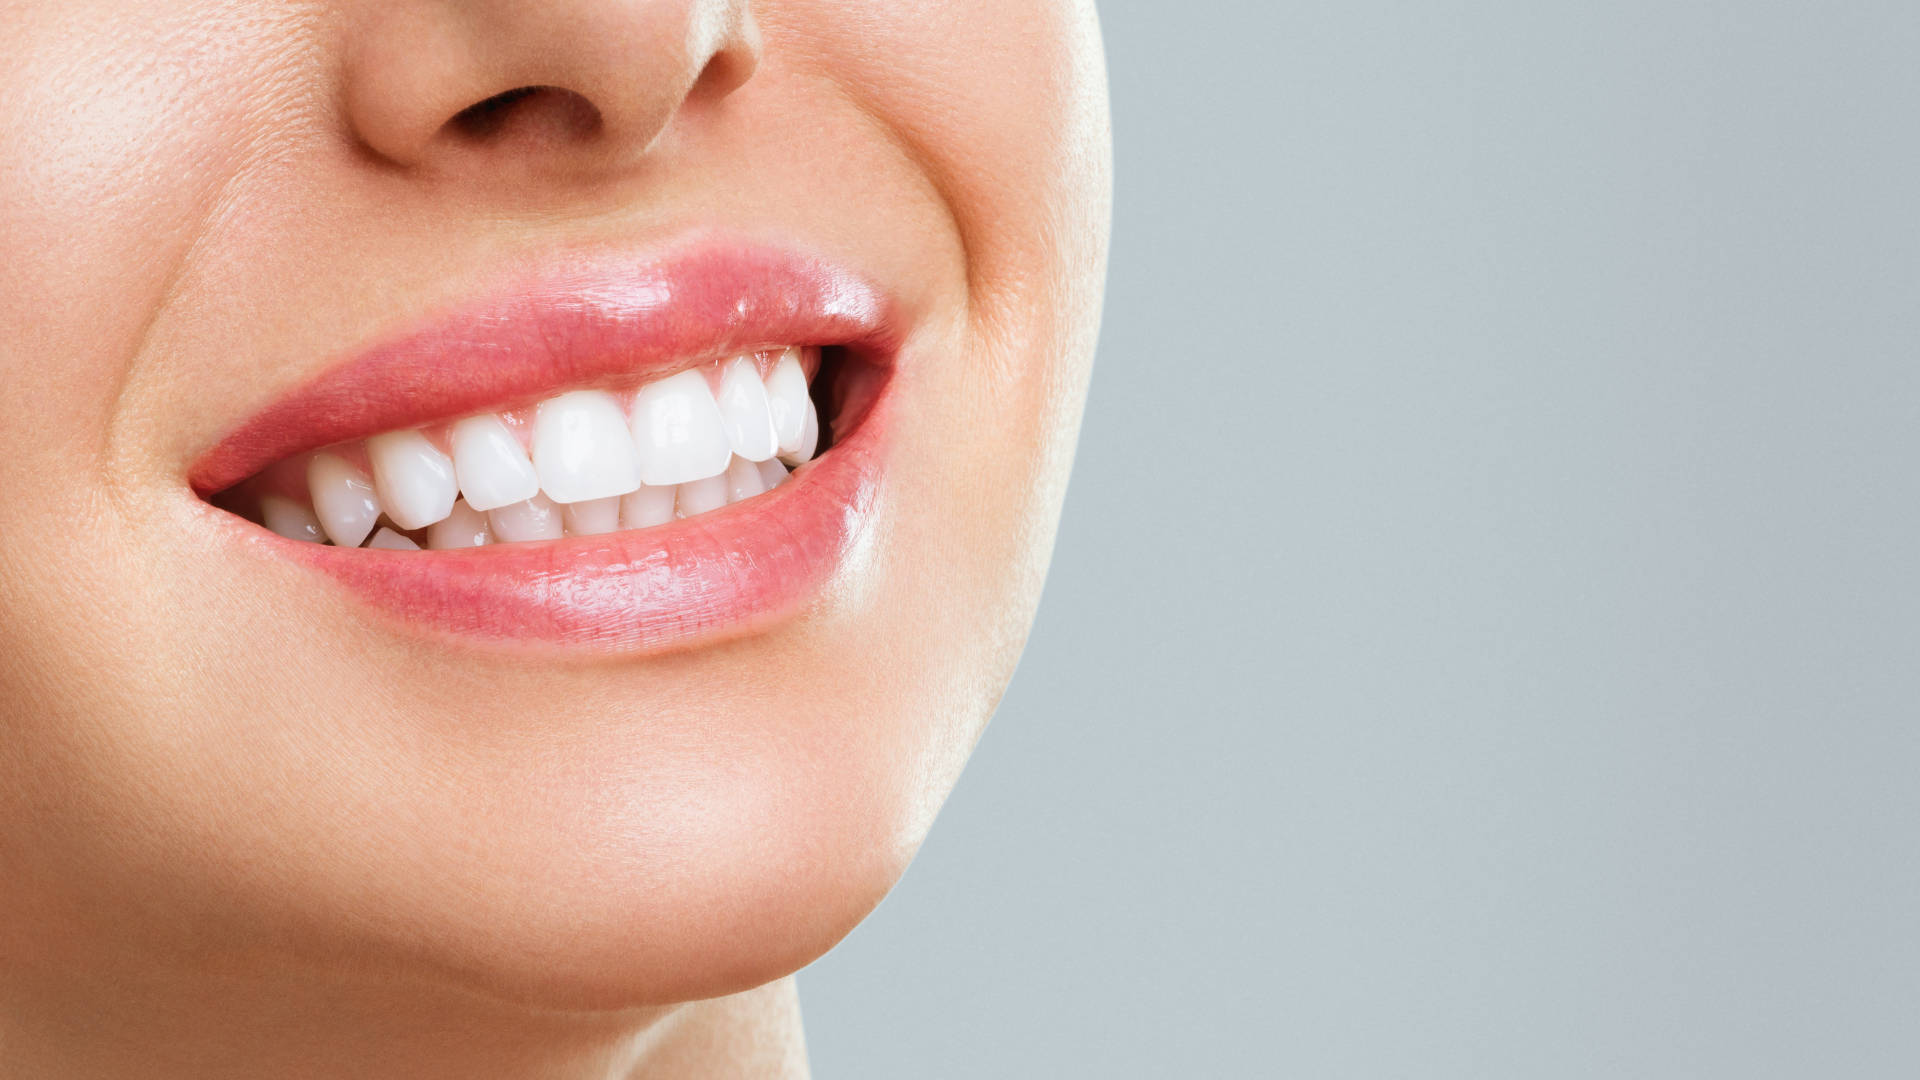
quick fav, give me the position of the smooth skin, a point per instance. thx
(247, 830)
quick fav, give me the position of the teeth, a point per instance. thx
(593, 517)
(772, 473)
(700, 496)
(392, 541)
(678, 431)
(465, 527)
(291, 520)
(414, 479)
(343, 499)
(787, 400)
(647, 507)
(581, 448)
(536, 519)
(492, 469)
(809, 439)
(743, 480)
(589, 471)
(745, 410)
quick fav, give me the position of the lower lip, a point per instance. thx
(698, 581)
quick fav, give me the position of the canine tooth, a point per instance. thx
(647, 507)
(343, 499)
(593, 517)
(745, 411)
(678, 431)
(291, 520)
(537, 518)
(389, 540)
(700, 496)
(465, 527)
(787, 400)
(414, 479)
(492, 469)
(581, 448)
(809, 441)
(743, 479)
(772, 473)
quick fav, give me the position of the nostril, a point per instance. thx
(552, 109)
(484, 118)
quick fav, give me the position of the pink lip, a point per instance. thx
(719, 575)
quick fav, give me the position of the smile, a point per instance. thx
(600, 457)
(581, 463)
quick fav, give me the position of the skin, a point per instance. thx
(248, 829)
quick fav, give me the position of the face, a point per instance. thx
(561, 541)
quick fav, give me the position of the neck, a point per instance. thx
(306, 1028)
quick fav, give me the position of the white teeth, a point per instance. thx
(743, 480)
(745, 411)
(291, 520)
(590, 470)
(581, 448)
(678, 431)
(414, 479)
(787, 400)
(647, 507)
(593, 517)
(772, 473)
(465, 527)
(536, 519)
(492, 469)
(809, 439)
(343, 499)
(700, 496)
(392, 541)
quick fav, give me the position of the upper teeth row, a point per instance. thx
(682, 450)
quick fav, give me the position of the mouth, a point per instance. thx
(629, 457)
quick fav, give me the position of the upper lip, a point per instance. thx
(591, 321)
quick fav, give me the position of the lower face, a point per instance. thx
(582, 589)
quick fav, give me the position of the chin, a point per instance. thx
(731, 889)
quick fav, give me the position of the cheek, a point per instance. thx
(102, 195)
(1003, 102)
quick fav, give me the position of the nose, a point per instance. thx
(578, 80)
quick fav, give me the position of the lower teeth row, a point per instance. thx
(588, 467)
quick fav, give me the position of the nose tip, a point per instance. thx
(580, 80)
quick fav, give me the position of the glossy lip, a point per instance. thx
(724, 574)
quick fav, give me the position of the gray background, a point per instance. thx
(1482, 640)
